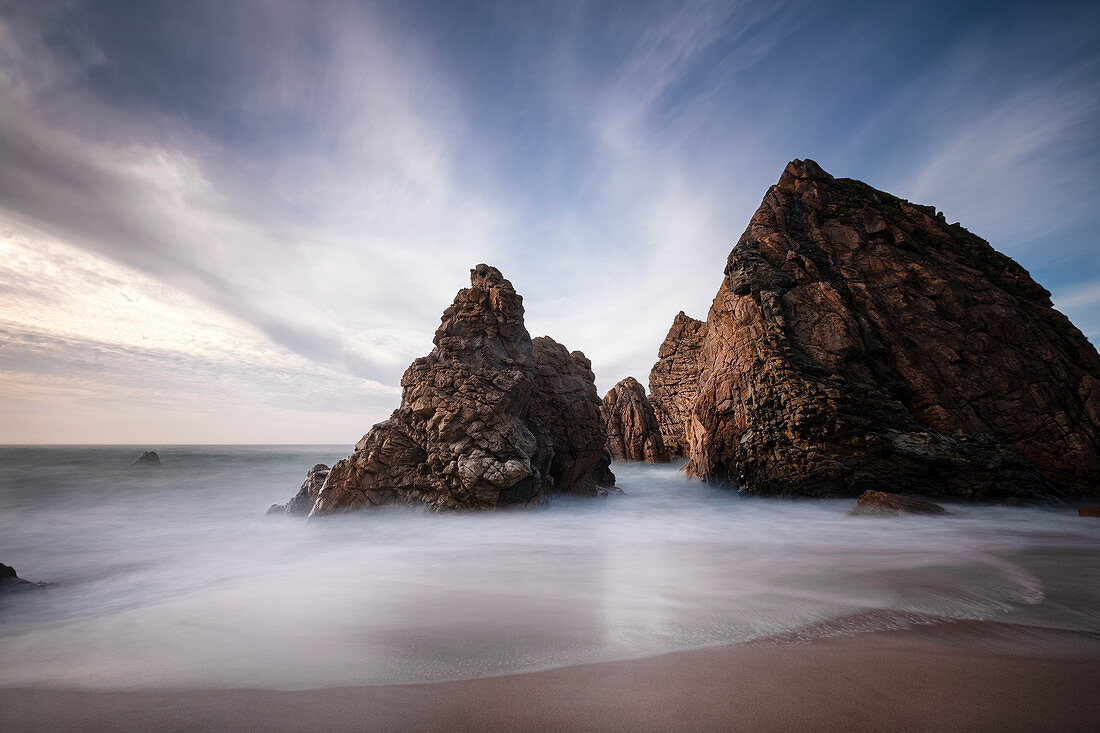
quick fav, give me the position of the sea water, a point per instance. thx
(172, 575)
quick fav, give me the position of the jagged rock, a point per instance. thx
(148, 457)
(303, 501)
(674, 381)
(487, 419)
(859, 341)
(1088, 511)
(632, 430)
(877, 503)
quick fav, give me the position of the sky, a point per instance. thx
(238, 222)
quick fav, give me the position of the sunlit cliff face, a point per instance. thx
(254, 213)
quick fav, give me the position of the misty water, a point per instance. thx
(172, 575)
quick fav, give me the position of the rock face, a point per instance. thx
(566, 410)
(487, 419)
(148, 457)
(633, 433)
(878, 503)
(674, 381)
(303, 501)
(859, 341)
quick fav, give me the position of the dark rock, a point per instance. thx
(487, 419)
(603, 475)
(872, 503)
(148, 457)
(859, 342)
(566, 409)
(632, 430)
(9, 580)
(674, 381)
(1088, 511)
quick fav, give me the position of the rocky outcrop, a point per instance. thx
(307, 495)
(148, 458)
(566, 410)
(487, 420)
(880, 503)
(674, 381)
(859, 341)
(1088, 511)
(632, 430)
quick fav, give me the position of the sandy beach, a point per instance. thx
(974, 676)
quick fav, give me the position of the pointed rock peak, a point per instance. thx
(633, 433)
(683, 319)
(487, 277)
(802, 170)
(488, 309)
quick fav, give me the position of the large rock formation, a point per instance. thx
(487, 419)
(674, 381)
(632, 430)
(859, 341)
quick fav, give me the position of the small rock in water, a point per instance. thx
(876, 503)
(9, 580)
(148, 457)
(1089, 511)
(307, 494)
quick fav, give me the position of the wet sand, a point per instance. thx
(973, 676)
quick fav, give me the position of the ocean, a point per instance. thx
(172, 575)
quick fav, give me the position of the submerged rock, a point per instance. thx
(303, 501)
(880, 502)
(632, 430)
(148, 457)
(859, 341)
(9, 580)
(487, 420)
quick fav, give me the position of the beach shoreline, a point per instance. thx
(964, 675)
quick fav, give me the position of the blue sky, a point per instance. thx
(238, 222)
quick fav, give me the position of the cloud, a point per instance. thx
(295, 192)
(380, 209)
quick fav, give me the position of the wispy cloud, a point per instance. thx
(272, 203)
